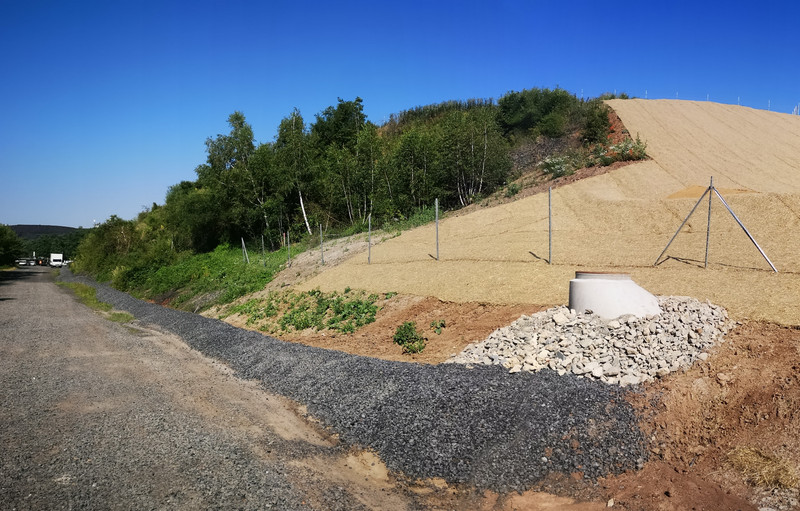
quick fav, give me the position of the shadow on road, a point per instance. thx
(17, 274)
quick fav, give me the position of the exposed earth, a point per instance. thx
(746, 394)
(494, 269)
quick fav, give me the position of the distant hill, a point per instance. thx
(31, 232)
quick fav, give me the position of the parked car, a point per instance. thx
(22, 262)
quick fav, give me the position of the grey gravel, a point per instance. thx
(479, 426)
(625, 351)
(73, 438)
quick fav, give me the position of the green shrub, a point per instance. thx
(558, 166)
(409, 338)
(595, 124)
(627, 150)
(512, 190)
(438, 325)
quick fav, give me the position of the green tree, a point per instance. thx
(225, 174)
(474, 154)
(192, 214)
(292, 158)
(10, 245)
(335, 134)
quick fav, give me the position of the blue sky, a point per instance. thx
(105, 104)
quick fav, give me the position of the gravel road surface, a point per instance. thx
(100, 415)
(482, 426)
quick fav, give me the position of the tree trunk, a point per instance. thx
(303, 209)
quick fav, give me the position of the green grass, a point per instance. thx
(420, 217)
(87, 296)
(222, 273)
(120, 317)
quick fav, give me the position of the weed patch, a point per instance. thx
(289, 311)
(409, 338)
(87, 295)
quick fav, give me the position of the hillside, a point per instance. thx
(31, 232)
(622, 220)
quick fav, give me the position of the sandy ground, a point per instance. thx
(622, 220)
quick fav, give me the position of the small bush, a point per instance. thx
(409, 338)
(438, 325)
(558, 166)
(627, 150)
(512, 190)
(286, 311)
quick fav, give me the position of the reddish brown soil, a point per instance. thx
(747, 394)
(464, 323)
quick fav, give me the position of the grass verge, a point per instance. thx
(88, 296)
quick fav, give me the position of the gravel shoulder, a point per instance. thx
(100, 415)
(481, 427)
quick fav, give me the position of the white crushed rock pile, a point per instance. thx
(623, 351)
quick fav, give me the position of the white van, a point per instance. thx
(56, 260)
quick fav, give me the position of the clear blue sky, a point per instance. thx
(105, 104)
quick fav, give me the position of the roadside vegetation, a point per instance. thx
(11, 246)
(87, 295)
(333, 177)
(409, 338)
(286, 311)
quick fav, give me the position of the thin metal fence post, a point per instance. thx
(245, 257)
(708, 190)
(321, 247)
(436, 203)
(369, 239)
(263, 255)
(550, 225)
(708, 229)
(288, 250)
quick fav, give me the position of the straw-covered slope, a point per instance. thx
(622, 220)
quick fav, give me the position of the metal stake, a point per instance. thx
(321, 248)
(708, 190)
(745, 231)
(437, 228)
(708, 229)
(550, 225)
(369, 239)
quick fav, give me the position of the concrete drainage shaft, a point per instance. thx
(610, 295)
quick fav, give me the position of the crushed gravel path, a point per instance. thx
(480, 426)
(88, 419)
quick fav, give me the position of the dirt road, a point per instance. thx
(101, 415)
